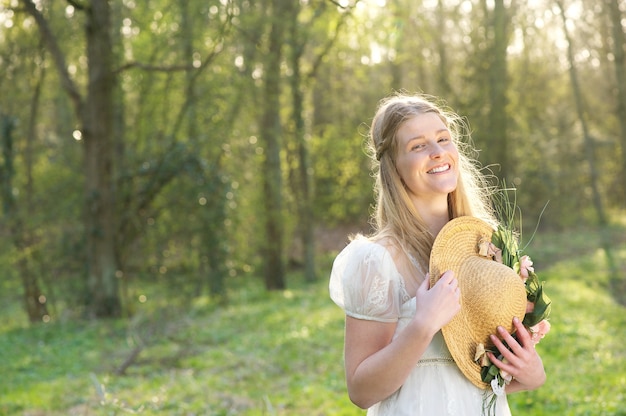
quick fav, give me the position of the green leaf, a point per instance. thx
(488, 373)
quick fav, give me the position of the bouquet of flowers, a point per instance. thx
(505, 248)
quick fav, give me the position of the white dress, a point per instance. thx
(366, 284)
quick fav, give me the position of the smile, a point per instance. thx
(439, 169)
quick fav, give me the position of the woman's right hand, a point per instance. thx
(437, 305)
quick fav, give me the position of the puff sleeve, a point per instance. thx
(365, 283)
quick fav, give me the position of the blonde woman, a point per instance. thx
(396, 360)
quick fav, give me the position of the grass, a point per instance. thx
(281, 353)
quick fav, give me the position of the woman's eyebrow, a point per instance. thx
(422, 136)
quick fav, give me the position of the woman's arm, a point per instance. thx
(376, 366)
(523, 361)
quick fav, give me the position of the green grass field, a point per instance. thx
(281, 353)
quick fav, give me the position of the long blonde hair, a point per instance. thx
(395, 217)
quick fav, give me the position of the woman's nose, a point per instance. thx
(436, 151)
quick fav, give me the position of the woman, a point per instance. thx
(396, 360)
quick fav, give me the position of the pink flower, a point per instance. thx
(525, 267)
(539, 331)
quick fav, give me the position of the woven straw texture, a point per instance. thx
(491, 293)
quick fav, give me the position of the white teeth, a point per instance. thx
(439, 169)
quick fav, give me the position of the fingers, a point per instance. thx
(439, 302)
(523, 336)
(513, 344)
(501, 364)
(504, 351)
(520, 359)
(446, 289)
(522, 340)
(516, 352)
(448, 280)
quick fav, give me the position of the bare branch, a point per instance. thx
(329, 43)
(130, 360)
(77, 5)
(341, 6)
(153, 68)
(50, 41)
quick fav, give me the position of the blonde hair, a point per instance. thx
(395, 216)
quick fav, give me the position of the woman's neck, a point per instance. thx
(435, 215)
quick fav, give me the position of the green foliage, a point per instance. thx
(276, 353)
(506, 237)
(280, 353)
(352, 174)
(582, 353)
(191, 74)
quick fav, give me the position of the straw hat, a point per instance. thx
(491, 293)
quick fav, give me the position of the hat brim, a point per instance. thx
(456, 249)
(456, 241)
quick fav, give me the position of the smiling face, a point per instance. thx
(427, 158)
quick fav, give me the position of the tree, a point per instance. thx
(619, 64)
(176, 124)
(309, 45)
(34, 299)
(271, 134)
(234, 128)
(497, 148)
(95, 113)
(582, 118)
(304, 188)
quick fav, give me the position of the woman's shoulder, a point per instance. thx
(366, 250)
(364, 281)
(366, 261)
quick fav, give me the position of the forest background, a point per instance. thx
(183, 149)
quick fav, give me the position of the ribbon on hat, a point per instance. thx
(481, 356)
(488, 250)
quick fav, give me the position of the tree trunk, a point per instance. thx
(97, 131)
(96, 116)
(497, 143)
(118, 143)
(617, 279)
(442, 47)
(395, 65)
(270, 132)
(619, 52)
(304, 197)
(580, 110)
(34, 299)
(590, 154)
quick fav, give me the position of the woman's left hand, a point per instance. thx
(521, 360)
